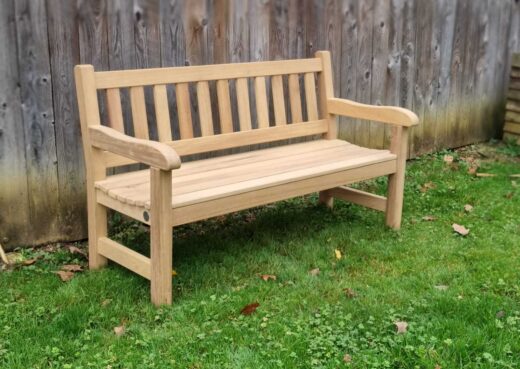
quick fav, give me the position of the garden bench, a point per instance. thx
(169, 193)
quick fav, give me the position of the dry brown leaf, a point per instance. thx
(65, 276)
(77, 250)
(72, 268)
(448, 159)
(249, 309)
(460, 229)
(174, 273)
(106, 302)
(401, 327)
(509, 195)
(472, 170)
(267, 277)
(347, 358)
(119, 330)
(337, 253)
(468, 208)
(437, 367)
(350, 293)
(314, 272)
(14, 258)
(29, 261)
(486, 175)
(429, 218)
(428, 186)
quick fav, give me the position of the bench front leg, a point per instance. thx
(395, 195)
(161, 236)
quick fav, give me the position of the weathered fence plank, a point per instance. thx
(14, 200)
(38, 117)
(448, 60)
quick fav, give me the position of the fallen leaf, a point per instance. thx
(65, 275)
(267, 277)
(441, 287)
(472, 170)
(106, 302)
(72, 268)
(347, 358)
(515, 176)
(77, 250)
(314, 272)
(350, 293)
(437, 367)
(486, 175)
(338, 254)
(401, 327)
(460, 229)
(514, 184)
(468, 208)
(428, 186)
(29, 261)
(500, 314)
(429, 218)
(174, 273)
(120, 330)
(509, 195)
(249, 309)
(448, 159)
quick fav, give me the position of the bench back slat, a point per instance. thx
(278, 100)
(224, 106)
(139, 118)
(115, 110)
(205, 113)
(310, 96)
(262, 109)
(162, 113)
(244, 109)
(182, 94)
(295, 98)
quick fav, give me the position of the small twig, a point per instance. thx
(3, 256)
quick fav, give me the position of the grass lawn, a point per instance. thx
(460, 296)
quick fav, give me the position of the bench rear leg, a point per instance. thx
(326, 198)
(161, 236)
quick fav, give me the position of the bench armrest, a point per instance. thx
(152, 153)
(385, 114)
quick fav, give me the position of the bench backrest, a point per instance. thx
(199, 96)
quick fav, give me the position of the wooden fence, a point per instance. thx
(448, 60)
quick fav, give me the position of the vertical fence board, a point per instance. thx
(14, 200)
(64, 54)
(38, 116)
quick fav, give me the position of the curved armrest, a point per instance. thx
(152, 153)
(385, 114)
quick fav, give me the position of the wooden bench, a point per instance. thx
(170, 194)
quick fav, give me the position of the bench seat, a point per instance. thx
(207, 180)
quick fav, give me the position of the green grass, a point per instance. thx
(303, 321)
